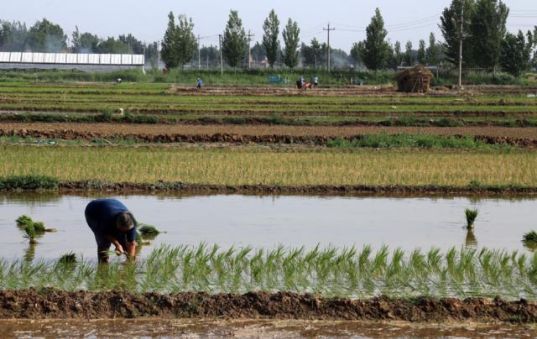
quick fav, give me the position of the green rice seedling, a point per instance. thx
(68, 259)
(23, 220)
(30, 233)
(148, 232)
(471, 215)
(530, 240)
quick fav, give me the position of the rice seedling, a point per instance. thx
(68, 259)
(148, 232)
(38, 227)
(530, 240)
(471, 215)
(347, 272)
(30, 233)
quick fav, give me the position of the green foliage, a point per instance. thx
(312, 55)
(271, 43)
(68, 259)
(28, 182)
(169, 50)
(407, 140)
(488, 29)
(23, 220)
(471, 215)
(291, 38)
(30, 233)
(234, 44)
(186, 43)
(148, 231)
(515, 54)
(434, 51)
(45, 36)
(374, 50)
(450, 24)
(422, 53)
(409, 56)
(329, 272)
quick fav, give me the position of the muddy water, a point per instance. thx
(269, 221)
(253, 328)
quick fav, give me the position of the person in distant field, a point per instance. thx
(315, 81)
(112, 224)
(199, 83)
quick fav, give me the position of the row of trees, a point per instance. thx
(45, 36)
(479, 24)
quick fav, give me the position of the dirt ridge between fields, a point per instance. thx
(52, 303)
(232, 138)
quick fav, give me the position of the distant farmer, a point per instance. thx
(315, 81)
(112, 224)
(199, 83)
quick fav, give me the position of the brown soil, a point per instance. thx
(320, 190)
(526, 137)
(51, 303)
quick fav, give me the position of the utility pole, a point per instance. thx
(199, 52)
(221, 55)
(250, 35)
(328, 52)
(461, 39)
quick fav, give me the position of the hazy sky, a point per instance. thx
(405, 20)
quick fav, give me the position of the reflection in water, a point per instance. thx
(217, 328)
(471, 240)
(29, 253)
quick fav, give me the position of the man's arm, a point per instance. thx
(131, 250)
(119, 249)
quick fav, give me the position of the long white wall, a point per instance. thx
(72, 58)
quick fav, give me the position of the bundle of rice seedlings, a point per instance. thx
(68, 259)
(471, 215)
(148, 231)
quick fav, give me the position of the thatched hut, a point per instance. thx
(415, 80)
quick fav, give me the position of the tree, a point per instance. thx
(374, 50)
(271, 27)
(185, 41)
(434, 51)
(291, 38)
(422, 54)
(515, 56)
(135, 45)
(312, 54)
(210, 56)
(234, 45)
(450, 24)
(44, 36)
(409, 54)
(13, 36)
(168, 50)
(113, 46)
(259, 53)
(85, 42)
(488, 28)
(355, 53)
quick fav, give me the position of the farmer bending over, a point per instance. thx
(112, 223)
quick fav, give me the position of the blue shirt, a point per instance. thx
(101, 215)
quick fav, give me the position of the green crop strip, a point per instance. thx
(329, 272)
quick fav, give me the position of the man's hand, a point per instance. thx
(131, 250)
(119, 248)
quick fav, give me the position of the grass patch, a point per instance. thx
(329, 272)
(28, 182)
(384, 140)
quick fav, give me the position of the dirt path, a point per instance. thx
(55, 304)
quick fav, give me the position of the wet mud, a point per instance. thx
(217, 328)
(56, 304)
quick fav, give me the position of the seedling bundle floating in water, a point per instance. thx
(25, 222)
(471, 215)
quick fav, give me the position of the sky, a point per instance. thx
(409, 20)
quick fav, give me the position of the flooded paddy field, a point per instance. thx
(270, 221)
(213, 328)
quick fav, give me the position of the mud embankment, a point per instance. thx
(50, 303)
(167, 138)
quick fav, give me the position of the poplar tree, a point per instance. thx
(291, 40)
(234, 45)
(271, 27)
(374, 50)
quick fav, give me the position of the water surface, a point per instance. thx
(270, 221)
